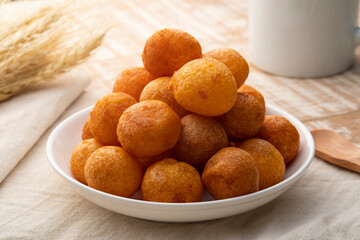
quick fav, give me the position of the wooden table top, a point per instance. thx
(331, 102)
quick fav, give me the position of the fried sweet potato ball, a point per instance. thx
(171, 181)
(204, 86)
(158, 89)
(86, 133)
(269, 161)
(247, 89)
(231, 172)
(112, 170)
(79, 156)
(168, 50)
(233, 60)
(132, 81)
(282, 134)
(105, 116)
(201, 137)
(148, 128)
(244, 119)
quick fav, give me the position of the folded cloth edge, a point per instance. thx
(21, 125)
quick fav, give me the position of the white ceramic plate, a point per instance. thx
(68, 133)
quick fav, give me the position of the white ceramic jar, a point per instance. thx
(303, 38)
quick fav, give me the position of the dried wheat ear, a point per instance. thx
(39, 42)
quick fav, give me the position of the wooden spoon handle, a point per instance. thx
(335, 149)
(353, 166)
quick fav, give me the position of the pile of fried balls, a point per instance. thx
(184, 122)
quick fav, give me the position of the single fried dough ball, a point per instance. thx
(132, 81)
(79, 156)
(147, 162)
(105, 116)
(171, 181)
(112, 170)
(86, 133)
(158, 89)
(148, 128)
(269, 161)
(247, 89)
(201, 137)
(244, 119)
(204, 86)
(231, 172)
(233, 60)
(282, 134)
(168, 50)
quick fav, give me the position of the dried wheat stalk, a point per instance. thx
(40, 44)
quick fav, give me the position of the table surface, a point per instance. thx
(323, 204)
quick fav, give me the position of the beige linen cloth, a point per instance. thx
(25, 117)
(36, 203)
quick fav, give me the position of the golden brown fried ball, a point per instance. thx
(132, 81)
(105, 116)
(146, 162)
(171, 181)
(148, 128)
(233, 60)
(79, 156)
(269, 161)
(244, 119)
(158, 89)
(201, 137)
(86, 133)
(247, 89)
(112, 170)
(204, 86)
(168, 50)
(282, 134)
(231, 172)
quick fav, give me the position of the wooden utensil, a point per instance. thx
(335, 149)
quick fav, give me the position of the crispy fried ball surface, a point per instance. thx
(148, 128)
(146, 162)
(158, 89)
(247, 89)
(269, 161)
(86, 133)
(105, 116)
(244, 119)
(132, 81)
(79, 156)
(168, 50)
(233, 60)
(231, 172)
(201, 137)
(171, 181)
(204, 86)
(112, 170)
(282, 134)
